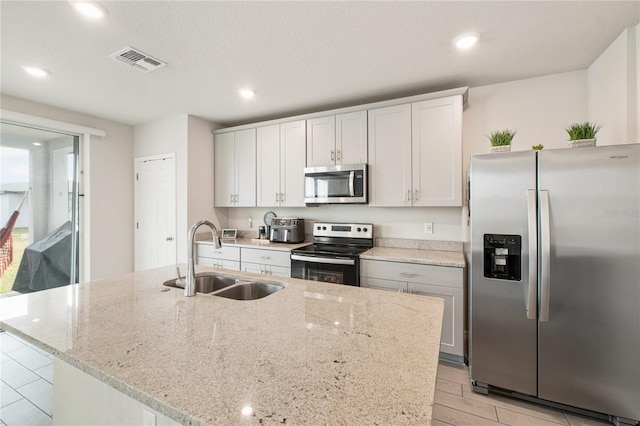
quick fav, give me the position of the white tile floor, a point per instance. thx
(26, 383)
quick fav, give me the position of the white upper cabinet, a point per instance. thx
(268, 165)
(292, 163)
(235, 169)
(436, 143)
(337, 139)
(280, 165)
(390, 156)
(321, 141)
(415, 153)
(351, 138)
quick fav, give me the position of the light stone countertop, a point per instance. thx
(259, 244)
(313, 353)
(424, 257)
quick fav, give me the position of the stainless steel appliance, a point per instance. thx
(287, 230)
(343, 184)
(334, 255)
(555, 276)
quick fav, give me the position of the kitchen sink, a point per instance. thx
(205, 283)
(249, 291)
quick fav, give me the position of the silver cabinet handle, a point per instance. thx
(338, 156)
(265, 257)
(409, 195)
(282, 198)
(231, 198)
(333, 156)
(532, 296)
(277, 197)
(236, 197)
(408, 274)
(545, 242)
(169, 238)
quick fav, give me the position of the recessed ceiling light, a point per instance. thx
(36, 144)
(465, 41)
(36, 71)
(247, 93)
(90, 9)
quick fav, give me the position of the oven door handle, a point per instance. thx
(329, 260)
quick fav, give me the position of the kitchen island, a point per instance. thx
(311, 353)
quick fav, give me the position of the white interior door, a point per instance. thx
(155, 211)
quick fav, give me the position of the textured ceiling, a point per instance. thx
(299, 56)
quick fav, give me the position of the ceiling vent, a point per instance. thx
(137, 59)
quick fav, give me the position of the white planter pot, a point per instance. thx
(501, 148)
(580, 143)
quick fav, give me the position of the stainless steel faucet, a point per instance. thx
(190, 286)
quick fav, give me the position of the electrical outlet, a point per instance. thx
(428, 228)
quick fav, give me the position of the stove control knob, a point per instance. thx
(324, 228)
(359, 229)
(319, 228)
(365, 229)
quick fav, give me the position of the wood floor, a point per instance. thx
(456, 404)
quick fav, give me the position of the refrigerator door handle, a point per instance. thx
(533, 254)
(545, 241)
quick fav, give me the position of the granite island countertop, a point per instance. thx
(312, 353)
(424, 257)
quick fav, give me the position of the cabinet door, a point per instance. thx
(437, 152)
(245, 159)
(292, 163)
(351, 138)
(268, 166)
(224, 169)
(390, 156)
(256, 268)
(380, 284)
(451, 341)
(321, 141)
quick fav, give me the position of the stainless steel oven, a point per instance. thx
(334, 255)
(343, 184)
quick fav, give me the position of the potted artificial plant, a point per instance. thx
(583, 134)
(501, 140)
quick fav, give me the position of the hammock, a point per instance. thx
(6, 238)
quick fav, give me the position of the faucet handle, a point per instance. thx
(180, 281)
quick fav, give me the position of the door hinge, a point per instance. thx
(137, 225)
(137, 176)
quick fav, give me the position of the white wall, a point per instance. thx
(109, 187)
(613, 91)
(191, 140)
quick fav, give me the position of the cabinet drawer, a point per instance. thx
(218, 263)
(412, 273)
(260, 268)
(369, 282)
(267, 257)
(224, 252)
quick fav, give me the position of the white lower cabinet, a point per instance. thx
(225, 257)
(428, 280)
(267, 262)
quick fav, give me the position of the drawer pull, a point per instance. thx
(408, 274)
(265, 257)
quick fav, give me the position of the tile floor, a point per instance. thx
(26, 383)
(26, 394)
(456, 404)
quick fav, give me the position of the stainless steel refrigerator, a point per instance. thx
(554, 305)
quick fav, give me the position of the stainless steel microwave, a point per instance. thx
(344, 184)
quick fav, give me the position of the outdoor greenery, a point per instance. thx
(586, 130)
(501, 137)
(20, 242)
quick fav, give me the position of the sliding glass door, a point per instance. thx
(38, 209)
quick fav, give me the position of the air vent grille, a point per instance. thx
(137, 59)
